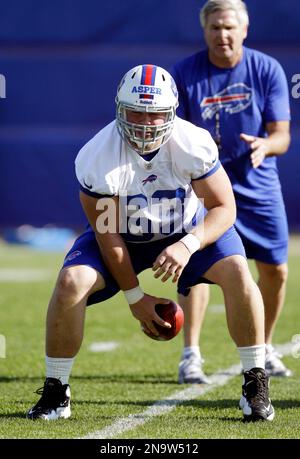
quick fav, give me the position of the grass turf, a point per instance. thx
(109, 385)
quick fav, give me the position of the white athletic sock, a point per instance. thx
(189, 351)
(253, 356)
(269, 349)
(59, 368)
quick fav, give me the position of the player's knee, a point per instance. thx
(237, 278)
(241, 292)
(235, 272)
(70, 286)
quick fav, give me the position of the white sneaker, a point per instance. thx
(190, 371)
(274, 366)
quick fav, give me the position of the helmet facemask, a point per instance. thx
(144, 138)
(146, 89)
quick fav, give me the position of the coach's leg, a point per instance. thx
(66, 311)
(194, 306)
(272, 284)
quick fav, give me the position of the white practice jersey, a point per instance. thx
(156, 197)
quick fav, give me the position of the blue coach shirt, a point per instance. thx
(247, 97)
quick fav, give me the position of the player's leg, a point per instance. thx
(272, 284)
(194, 306)
(245, 318)
(64, 334)
(264, 232)
(66, 311)
(83, 279)
(224, 263)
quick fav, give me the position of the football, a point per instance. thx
(172, 313)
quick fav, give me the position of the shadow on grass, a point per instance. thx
(144, 404)
(15, 415)
(203, 408)
(286, 404)
(104, 379)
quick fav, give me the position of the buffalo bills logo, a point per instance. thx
(73, 255)
(233, 99)
(149, 179)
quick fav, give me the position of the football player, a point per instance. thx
(143, 181)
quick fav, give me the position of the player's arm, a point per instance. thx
(104, 219)
(218, 198)
(275, 144)
(219, 201)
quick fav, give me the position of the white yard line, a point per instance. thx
(104, 346)
(168, 404)
(24, 275)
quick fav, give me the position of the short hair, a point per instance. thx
(211, 6)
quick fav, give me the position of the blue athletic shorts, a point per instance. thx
(264, 232)
(85, 251)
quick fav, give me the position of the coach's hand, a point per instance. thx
(144, 311)
(171, 262)
(259, 147)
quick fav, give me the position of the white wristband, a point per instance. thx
(133, 295)
(191, 242)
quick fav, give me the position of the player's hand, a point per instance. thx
(171, 262)
(259, 147)
(144, 311)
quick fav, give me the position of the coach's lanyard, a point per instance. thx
(217, 137)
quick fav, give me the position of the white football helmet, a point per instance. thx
(146, 88)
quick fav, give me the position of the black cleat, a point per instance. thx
(255, 401)
(54, 402)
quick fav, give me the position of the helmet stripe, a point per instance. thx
(148, 75)
(148, 79)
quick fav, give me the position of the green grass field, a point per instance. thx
(128, 380)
